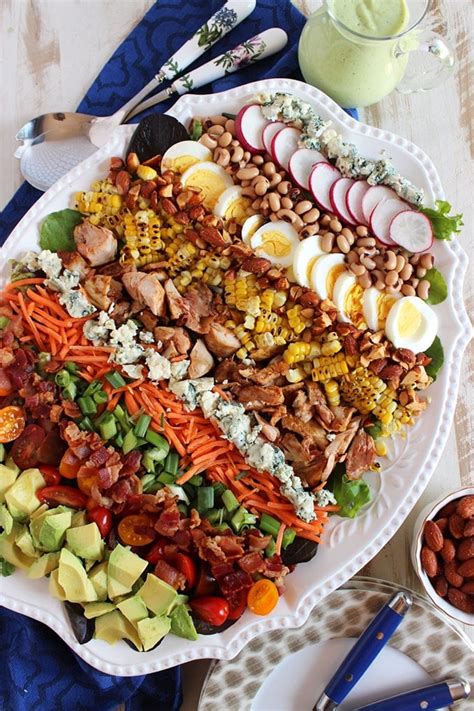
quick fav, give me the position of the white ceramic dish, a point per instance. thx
(349, 544)
(429, 512)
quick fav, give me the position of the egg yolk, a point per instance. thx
(353, 305)
(384, 304)
(275, 244)
(211, 185)
(332, 277)
(237, 211)
(181, 163)
(409, 321)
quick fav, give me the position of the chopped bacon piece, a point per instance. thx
(131, 463)
(168, 522)
(170, 575)
(71, 409)
(252, 563)
(230, 545)
(257, 541)
(234, 582)
(99, 457)
(123, 488)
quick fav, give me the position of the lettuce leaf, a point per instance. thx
(6, 568)
(374, 430)
(444, 224)
(438, 287)
(436, 353)
(57, 231)
(351, 496)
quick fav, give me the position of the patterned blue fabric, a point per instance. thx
(38, 671)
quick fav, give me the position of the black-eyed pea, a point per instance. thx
(348, 234)
(352, 257)
(216, 130)
(414, 259)
(247, 156)
(302, 206)
(257, 203)
(426, 261)
(218, 120)
(275, 180)
(335, 225)
(379, 261)
(245, 183)
(261, 185)
(257, 160)
(423, 289)
(225, 140)
(367, 261)
(269, 169)
(287, 203)
(365, 241)
(249, 191)
(235, 142)
(309, 230)
(251, 211)
(327, 242)
(325, 220)
(420, 271)
(274, 217)
(208, 141)
(237, 154)
(391, 277)
(362, 231)
(247, 173)
(230, 126)
(221, 156)
(395, 288)
(406, 272)
(408, 290)
(274, 201)
(343, 243)
(390, 260)
(312, 216)
(290, 216)
(284, 187)
(400, 263)
(357, 269)
(364, 280)
(414, 282)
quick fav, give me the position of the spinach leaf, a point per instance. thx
(438, 289)
(57, 231)
(444, 225)
(350, 495)
(6, 568)
(436, 353)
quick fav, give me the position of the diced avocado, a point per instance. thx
(38, 517)
(40, 511)
(73, 579)
(125, 567)
(116, 590)
(79, 518)
(182, 623)
(98, 578)
(44, 565)
(96, 609)
(21, 496)
(85, 541)
(11, 465)
(180, 600)
(6, 519)
(133, 608)
(89, 564)
(152, 629)
(55, 587)
(7, 478)
(10, 551)
(25, 543)
(114, 626)
(53, 531)
(157, 595)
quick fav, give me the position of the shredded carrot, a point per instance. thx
(23, 282)
(221, 392)
(131, 403)
(279, 538)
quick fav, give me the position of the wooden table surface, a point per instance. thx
(51, 49)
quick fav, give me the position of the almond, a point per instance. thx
(460, 600)
(168, 206)
(442, 524)
(468, 587)
(448, 551)
(256, 265)
(441, 586)
(116, 163)
(466, 569)
(456, 525)
(132, 162)
(465, 507)
(447, 510)
(122, 182)
(212, 236)
(469, 528)
(429, 562)
(466, 549)
(452, 575)
(433, 536)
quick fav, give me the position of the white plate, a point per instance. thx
(349, 544)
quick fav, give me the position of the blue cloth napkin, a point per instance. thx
(38, 671)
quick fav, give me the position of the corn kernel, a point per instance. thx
(145, 172)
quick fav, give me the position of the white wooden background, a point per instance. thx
(50, 50)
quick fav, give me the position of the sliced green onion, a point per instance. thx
(141, 427)
(242, 518)
(108, 427)
(270, 525)
(230, 501)
(129, 442)
(205, 498)
(119, 439)
(92, 388)
(115, 379)
(165, 478)
(157, 454)
(156, 440)
(288, 537)
(62, 378)
(70, 391)
(86, 424)
(87, 405)
(148, 481)
(122, 418)
(219, 488)
(241, 475)
(216, 516)
(171, 463)
(270, 549)
(100, 397)
(196, 480)
(71, 367)
(4, 321)
(182, 508)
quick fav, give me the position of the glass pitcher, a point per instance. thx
(358, 51)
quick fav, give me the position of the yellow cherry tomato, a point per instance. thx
(262, 597)
(12, 423)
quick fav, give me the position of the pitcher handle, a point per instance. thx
(416, 78)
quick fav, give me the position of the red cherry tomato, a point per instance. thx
(186, 565)
(238, 605)
(25, 450)
(65, 495)
(5, 384)
(86, 478)
(69, 465)
(50, 474)
(206, 584)
(102, 517)
(214, 610)
(156, 552)
(137, 530)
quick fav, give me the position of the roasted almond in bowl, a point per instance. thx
(443, 553)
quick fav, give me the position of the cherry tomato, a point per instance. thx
(25, 449)
(206, 584)
(137, 530)
(102, 517)
(186, 565)
(238, 605)
(69, 465)
(86, 478)
(156, 552)
(65, 495)
(214, 610)
(5, 385)
(262, 597)
(12, 423)
(50, 474)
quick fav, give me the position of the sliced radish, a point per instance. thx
(373, 196)
(321, 179)
(354, 198)
(284, 144)
(249, 125)
(268, 133)
(412, 230)
(382, 216)
(338, 195)
(302, 163)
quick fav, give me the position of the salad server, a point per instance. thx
(366, 649)
(429, 698)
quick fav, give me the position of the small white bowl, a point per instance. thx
(428, 513)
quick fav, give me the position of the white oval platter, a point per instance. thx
(348, 544)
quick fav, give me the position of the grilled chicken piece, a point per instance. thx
(75, 263)
(96, 244)
(339, 445)
(146, 289)
(306, 429)
(361, 455)
(313, 472)
(102, 290)
(229, 371)
(175, 300)
(302, 407)
(295, 451)
(221, 341)
(269, 375)
(317, 398)
(199, 310)
(173, 337)
(257, 397)
(201, 361)
(342, 417)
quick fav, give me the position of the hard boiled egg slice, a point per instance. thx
(277, 242)
(375, 307)
(325, 272)
(250, 226)
(347, 296)
(306, 253)
(210, 178)
(232, 205)
(183, 155)
(412, 324)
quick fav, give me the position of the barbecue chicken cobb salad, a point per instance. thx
(201, 360)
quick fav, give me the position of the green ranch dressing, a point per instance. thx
(354, 71)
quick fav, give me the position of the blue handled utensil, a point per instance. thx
(428, 698)
(366, 649)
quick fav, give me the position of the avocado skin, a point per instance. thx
(300, 551)
(154, 135)
(206, 628)
(82, 627)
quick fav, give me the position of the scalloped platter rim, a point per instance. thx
(349, 543)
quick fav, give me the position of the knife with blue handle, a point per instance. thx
(365, 650)
(429, 698)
